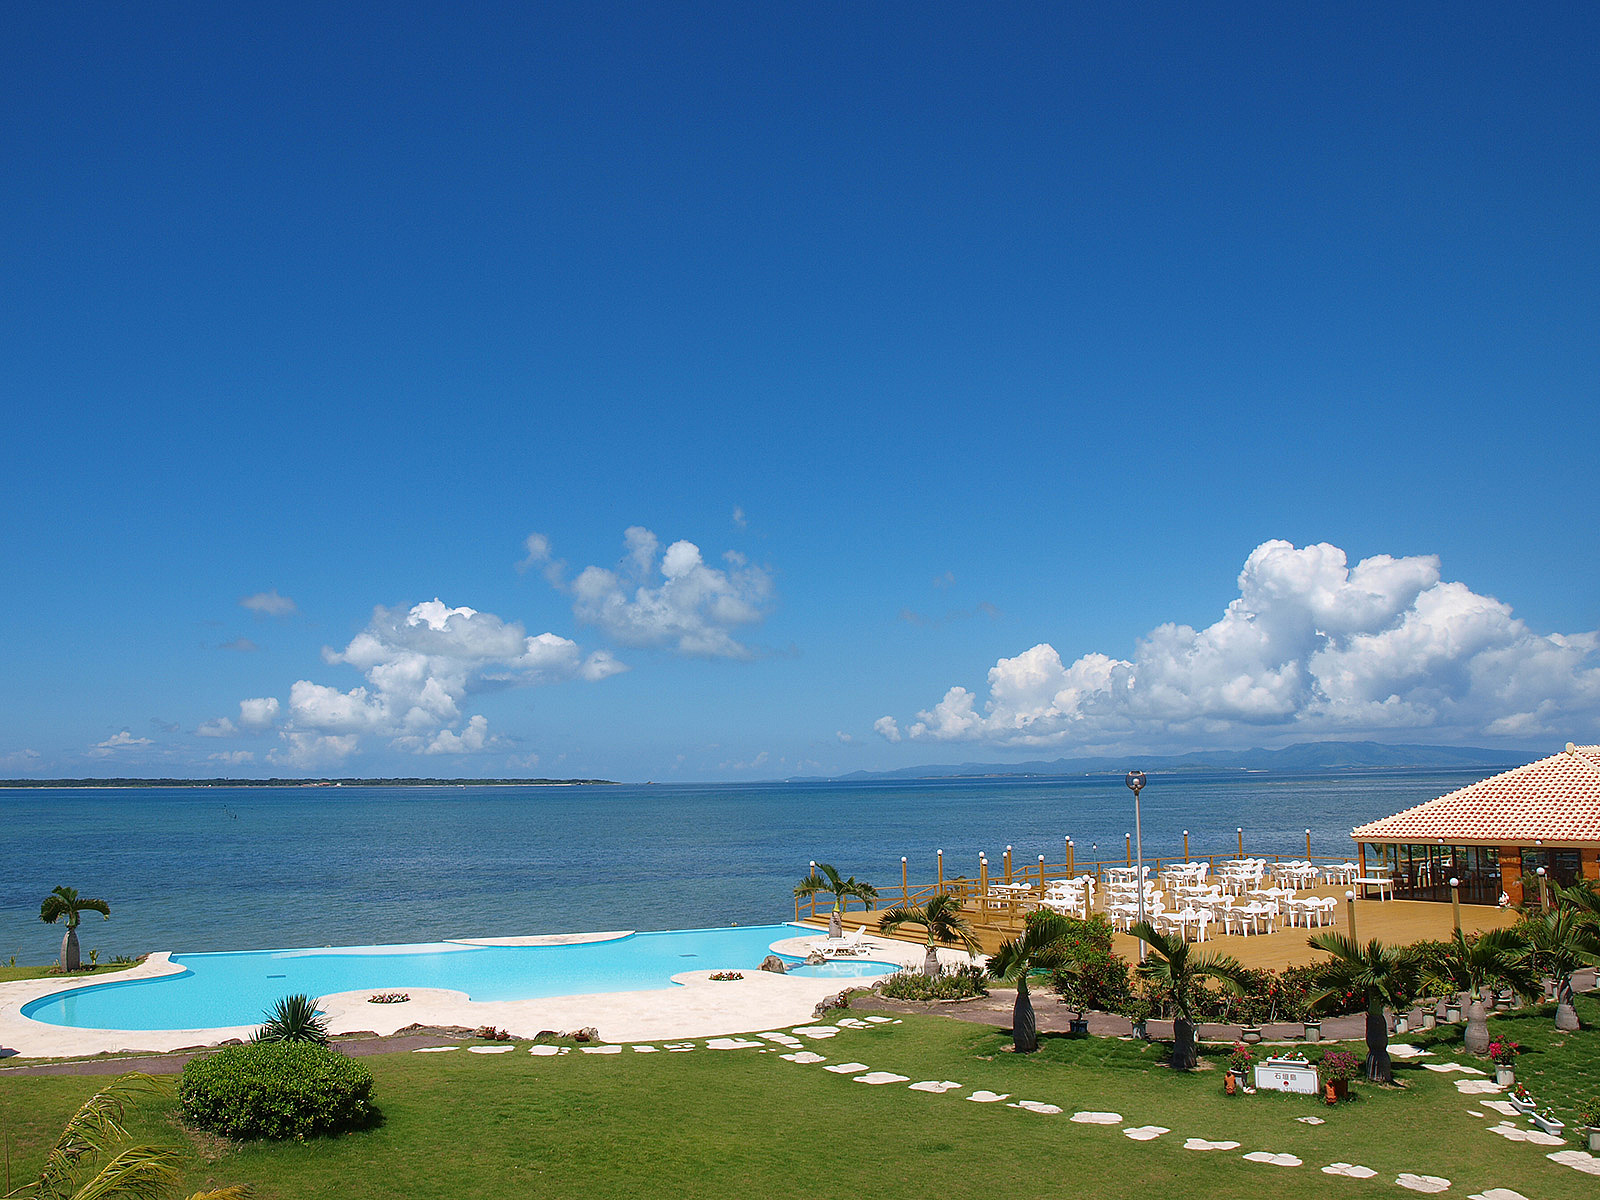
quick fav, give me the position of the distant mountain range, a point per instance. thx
(1302, 756)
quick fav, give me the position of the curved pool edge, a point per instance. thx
(694, 1006)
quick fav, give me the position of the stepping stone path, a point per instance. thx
(732, 1043)
(1097, 1118)
(1202, 1144)
(817, 1031)
(1443, 1068)
(1422, 1183)
(1311, 1120)
(645, 1050)
(601, 1049)
(986, 1097)
(1578, 1160)
(847, 1068)
(1477, 1087)
(1036, 1106)
(937, 1087)
(881, 1077)
(490, 1049)
(435, 1049)
(1145, 1133)
(803, 1056)
(1497, 1194)
(1351, 1169)
(1276, 1160)
(1516, 1133)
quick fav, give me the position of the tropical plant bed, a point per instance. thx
(515, 1125)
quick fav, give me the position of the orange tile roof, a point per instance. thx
(1556, 799)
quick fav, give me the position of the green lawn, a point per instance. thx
(7, 974)
(743, 1123)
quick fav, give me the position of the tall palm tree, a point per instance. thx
(1042, 947)
(826, 879)
(1171, 964)
(944, 922)
(1384, 975)
(92, 1159)
(65, 902)
(1559, 942)
(1494, 957)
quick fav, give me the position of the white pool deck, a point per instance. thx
(695, 1007)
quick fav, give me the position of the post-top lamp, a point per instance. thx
(1136, 781)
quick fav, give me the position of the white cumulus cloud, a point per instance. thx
(888, 728)
(258, 714)
(217, 727)
(1311, 645)
(123, 740)
(673, 597)
(269, 604)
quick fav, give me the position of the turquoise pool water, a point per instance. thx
(219, 990)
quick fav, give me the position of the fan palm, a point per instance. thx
(293, 1019)
(1497, 956)
(1042, 947)
(944, 922)
(1170, 964)
(1384, 975)
(1559, 942)
(92, 1159)
(65, 902)
(825, 879)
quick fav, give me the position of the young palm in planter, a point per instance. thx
(1561, 941)
(1170, 964)
(944, 922)
(1042, 947)
(1385, 975)
(1475, 965)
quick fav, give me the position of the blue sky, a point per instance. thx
(1024, 381)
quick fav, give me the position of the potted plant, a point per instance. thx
(1338, 1068)
(1452, 1009)
(1313, 1030)
(1548, 1122)
(1238, 1063)
(1589, 1122)
(1250, 1033)
(1521, 1099)
(1138, 1009)
(1503, 1053)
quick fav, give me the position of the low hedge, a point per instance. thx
(277, 1090)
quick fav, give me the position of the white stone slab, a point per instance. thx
(1276, 1160)
(1202, 1144)
(1311, 1120)
(982, 1096)
(1097, 1118)
(1535, 1137)
(817, 1031)
(645, 1050)
(1497, 1193)
(544, 1051)
(936, 1086)
(847, 1068)
(1477, 1087)
(1145, 1133)
(803, 1056)
(1036, 1106)
(879, 1020)
(1578, 1160)
(1444, 1068)
(601, 1049)
(1422, 1183)
(1403, 1050)
(435, 1049)
(1504, 1107)
(732, 1043)
(881, 1077)
(490, 1049)
(1353, 1170)
(679, 1047)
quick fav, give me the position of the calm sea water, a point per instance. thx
(195, 869)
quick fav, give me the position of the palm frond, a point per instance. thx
(234, 1191)
(135, 1173)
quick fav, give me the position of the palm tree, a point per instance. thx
(825, 879)
(1384, 975)
(944, 922)
(92, 1158)
(1559, 942)
(293, 1019)
(65, 902)
(1042, 947)
(1171, 965)
(1473, 966)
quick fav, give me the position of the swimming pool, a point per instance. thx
(217, 991)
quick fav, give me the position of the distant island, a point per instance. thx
(276, 782)
(1302, 756)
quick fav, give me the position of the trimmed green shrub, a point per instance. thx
(277, 1090)
(952, 983)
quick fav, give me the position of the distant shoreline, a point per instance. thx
(297, 783)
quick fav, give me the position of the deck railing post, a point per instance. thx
(905, 885)
(983, 888)
(1008, 864)
(1185, 845)
(1071, 866)
(941, 869)
(1241, 842)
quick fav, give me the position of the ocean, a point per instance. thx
(193, 869)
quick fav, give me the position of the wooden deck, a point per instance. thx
(1396, 922)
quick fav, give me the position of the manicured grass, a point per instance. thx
(744, 1123)
(7, 974)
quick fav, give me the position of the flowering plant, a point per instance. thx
(1503, 1052)
(1521, 1094)
(1241, 1058)
(1589, 1113)
(1339, 1066)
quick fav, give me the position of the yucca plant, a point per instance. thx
(92, 1159)
(294, 1019)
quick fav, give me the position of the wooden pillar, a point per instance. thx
(1241, 841)
(1511, 874)
(1071, 866)
(1128, 837)
(1041, 877)
(905, 883)
(1185, 845)
(1308, 845)
(1008, 864)
(941, 870)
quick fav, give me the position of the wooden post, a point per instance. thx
(1544, 893)
(1350, 914)
(1185, 845)
(1071, 866)
(1008, 864)
(1455, 902)
(1241, 841)
(941, 870)
(1128, 837)
(905, 886)
(1308, 845)
(983, 887)
(1041, 877)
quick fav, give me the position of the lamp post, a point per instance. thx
(1350, 914)
(1544, 896)
(905, 883)
(1308, 845)
(1135, 781)
(1241, 841)
(940, 853)
(1185, 845)
(1008, 864)
(1455, 902)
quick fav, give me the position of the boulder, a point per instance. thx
(774, 964)
(587, 1034)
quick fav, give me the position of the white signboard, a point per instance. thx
(1287, 1075)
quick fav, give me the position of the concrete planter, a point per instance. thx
(1551, 1125)
(1430, 1020)
(1505, 1076)
(1250, 1034)
(1402, 1024)
(1452, 1012)
(1592, 1133)
(1313, 1031)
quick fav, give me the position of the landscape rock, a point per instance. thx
(774, 964)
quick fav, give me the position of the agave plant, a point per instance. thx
(944, 922)
(93, 1160)
(294, 1019)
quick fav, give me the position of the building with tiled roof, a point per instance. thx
(1493, 834)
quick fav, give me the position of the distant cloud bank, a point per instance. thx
(1311, 645)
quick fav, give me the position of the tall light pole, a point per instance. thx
(1135, 781)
